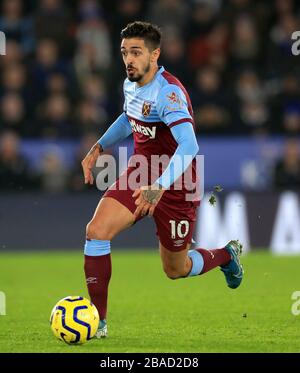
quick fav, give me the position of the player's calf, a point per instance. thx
(97, 268)
(110, 218)
(189, 263)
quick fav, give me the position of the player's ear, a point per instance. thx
(155, 55)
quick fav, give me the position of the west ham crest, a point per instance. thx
(146, 108)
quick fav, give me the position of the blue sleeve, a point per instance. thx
(118, 131)
(172, 106)
(187, 149)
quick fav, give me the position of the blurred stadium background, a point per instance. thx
(61, 87)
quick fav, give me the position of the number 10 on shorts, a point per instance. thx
(180, 228)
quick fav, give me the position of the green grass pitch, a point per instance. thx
(150, 313)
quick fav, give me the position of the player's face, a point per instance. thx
(137, 58)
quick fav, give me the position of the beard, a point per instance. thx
(136, 77)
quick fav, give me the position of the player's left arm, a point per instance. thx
(173, 110)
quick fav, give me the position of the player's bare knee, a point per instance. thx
(95, 231)
(172, 273)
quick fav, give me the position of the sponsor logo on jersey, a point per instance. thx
(147, 131)
(146, 109)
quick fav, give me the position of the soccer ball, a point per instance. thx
(74, 320)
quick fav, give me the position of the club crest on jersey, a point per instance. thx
(146, 109)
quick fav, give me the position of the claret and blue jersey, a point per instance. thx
(155, 108)
(160, 116)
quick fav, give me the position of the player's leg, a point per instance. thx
(110, 218)
(175, 228)
(176, 264)
(188, 263)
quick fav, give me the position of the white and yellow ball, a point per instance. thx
(74, 320)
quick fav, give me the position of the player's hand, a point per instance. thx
(147, 198)
(89, 162)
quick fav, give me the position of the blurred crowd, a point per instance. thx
(62, 75)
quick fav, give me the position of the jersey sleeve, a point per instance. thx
(186, 151)
(172, 106)
(118, 131)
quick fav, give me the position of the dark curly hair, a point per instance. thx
(150, 33)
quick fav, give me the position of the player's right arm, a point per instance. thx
(118, 131)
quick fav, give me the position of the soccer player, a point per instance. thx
(158, 112)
